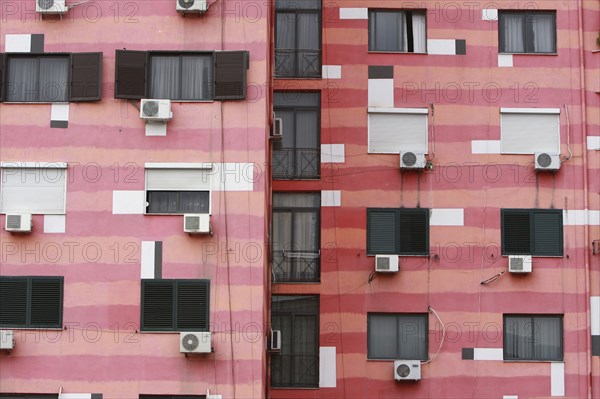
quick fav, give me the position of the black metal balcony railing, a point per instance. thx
(296, 266)
(296, 163)
(299, 371)
(297, 63)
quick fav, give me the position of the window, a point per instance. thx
(297, 154)
(533, 337)
(403, 129)
(527, 32)
(527, 131)
(36, 188)
(398, 31)
(181, 76)
(537, 232)
(397, 336)
(27, 396)
(296, 240)
(297, 317)
(171, 397)
(31, 302)
(397, 231)
(298, 38)
(178, 188)
(175, 305)
(49, 78)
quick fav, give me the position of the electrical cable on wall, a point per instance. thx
(431, 310)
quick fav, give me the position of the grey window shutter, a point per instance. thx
(86, 76)
(230, 75)
(46, 302)
(381, 231)
(547, 233)
(414, 231)
(13, 302)
(157, 305)
(192, 305)
(131, 71)
(516, 232)
(2, 75)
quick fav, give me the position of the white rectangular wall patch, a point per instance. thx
(156, 129)
(488, 354)
(581, 217)
(331, 198)
(80, 396)
(505, 60)
(447, 217)
(128, 202)
(441, 46)
(485, 146)
(24, 43)
(557, 379)
(59, 116)
(490, 14)
(593, 142)
(354, 13)
(381, 93)
(595, 314)
(151, 260)
(332, 153)
(54, 223)
(332, 71)
(327, 367)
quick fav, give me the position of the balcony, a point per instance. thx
(297, 63)
(296, 164)
(295, 267)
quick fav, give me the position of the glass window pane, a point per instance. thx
(165, 77)
(383, 337)
(518, 342)
(22, 79)
(197, 77)
(548, 338)
(513, 34)
(54, 79)
(412, 337)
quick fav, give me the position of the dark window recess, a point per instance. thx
(298, 39)
(398, 336)
(533, 337)
(60, 77)
(27, 396)
(178, 202)
(527, 32)
(172, 397)
(297, 317)
(296, 237)
(31, 302)
(181, 76)
(175, 305)
(397, 231)
(537, 232)
(297, 155)
(402, 31)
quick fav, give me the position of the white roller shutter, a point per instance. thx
(33, 190)
(528, 133)
(391, 133)
(178, 179)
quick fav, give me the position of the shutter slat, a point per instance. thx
(192, 306)
(547, 233)
(2, 67)
(230, 75)
(381, 233)
(13, 302)
(130, 74)
(46, 302)
(413, 231)
(516, 233)
(157, 312)
(86, 76)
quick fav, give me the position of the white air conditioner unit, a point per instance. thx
(195, 342)
(407, 370)
(156, 110)
(412, 160)
(275, 344)
(277, 128)
(546, 161)
(196, 223)
(20, 223)
(7, 339)
(386, 263)
(51, 6)
(519, 263)
(191, 6)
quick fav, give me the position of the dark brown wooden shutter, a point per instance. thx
(46, 302)
(13, 302)
(131, 70)
(192, 305)
(230, 75)
(516, 232)
(547, 232)
(86, 76)
(2, 75)
(157, 305)
(382, 228)
(414, 231)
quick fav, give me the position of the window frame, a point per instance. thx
(180, 55)
(174, 304)
(28, 324)
(372, 11)
(398, 212)
(532, 338)
(295, 12)
(527, 14)
(398, 317)
(531, 213)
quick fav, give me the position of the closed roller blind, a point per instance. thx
(530, 133)
(178, 179)
(33, 190)
(393, 133)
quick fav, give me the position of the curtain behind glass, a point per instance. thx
(305, 350)
(419, 32)
(382, 336)
(388, 31)
(547, 339)
(541, 33)
(513, 33)
(285, 44)
(22, 79)
(412, 339)
(308, 44)
(165, 77)
(196, 72)
(178, 201)
(518, 338)
(54, 78)
(307, 160)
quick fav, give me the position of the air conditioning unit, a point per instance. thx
(519, 264)
(277, 128)
(407, 370)
(191, 6)
(386, 263)
(412, 160)
(546, 161)
(195, 342)
(196, 223)
(7, 339)
(51, 6)
(18, 223)
(275, 345)
(156, 110)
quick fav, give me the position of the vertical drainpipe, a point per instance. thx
(586, 230)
